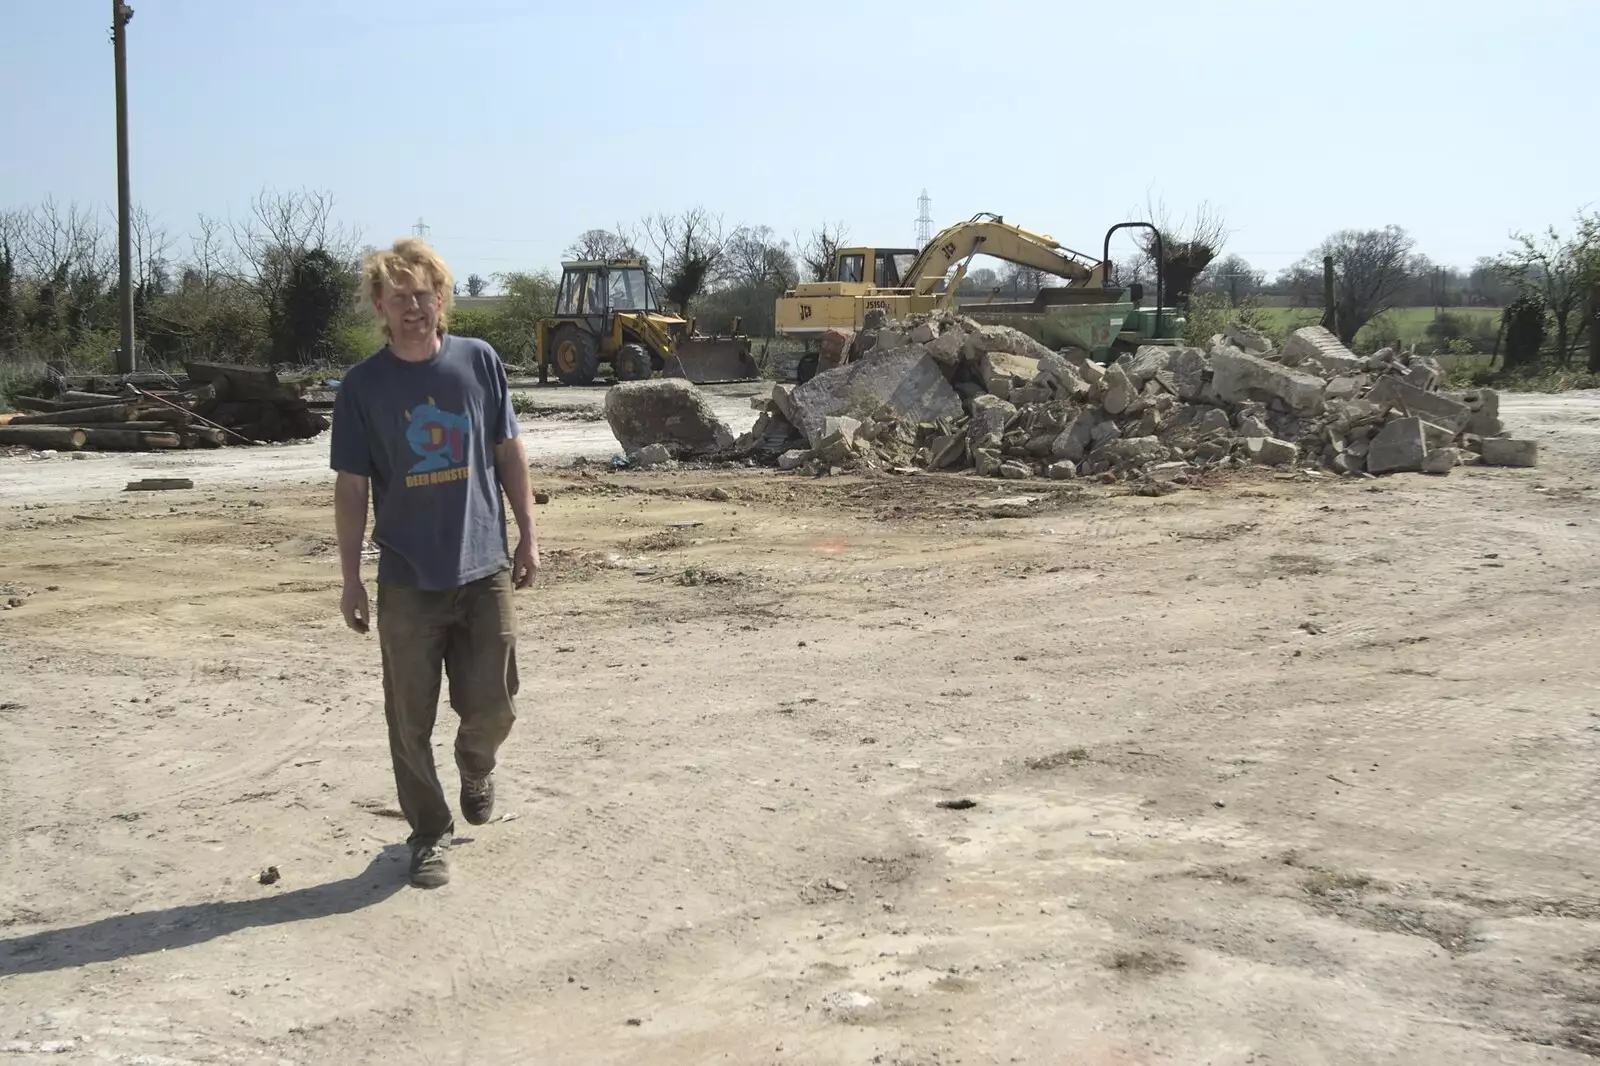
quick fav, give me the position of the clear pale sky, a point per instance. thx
(511, 125)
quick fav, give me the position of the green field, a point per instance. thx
(1407, 325)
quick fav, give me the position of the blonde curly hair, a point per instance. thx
(409, 259)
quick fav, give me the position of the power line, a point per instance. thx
(421, 229)
(924, 219)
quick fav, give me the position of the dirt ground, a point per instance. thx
(1280, 770)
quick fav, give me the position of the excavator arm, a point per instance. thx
(993, 236)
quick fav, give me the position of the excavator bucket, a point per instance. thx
(706, 360)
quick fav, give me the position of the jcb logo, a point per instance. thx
(949, 249)
(805, 312)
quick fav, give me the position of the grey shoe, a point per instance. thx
(477, 798)
(430, 868)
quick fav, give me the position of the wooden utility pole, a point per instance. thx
(1330, 318)
(120, 14)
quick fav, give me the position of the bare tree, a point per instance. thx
(152, 248)
(691, 249)
(818, 250)
(476, 285)
(284, 226)
(58, 243)
(604, 245)
(1187, 248)
(1372, 269)
(756, 258)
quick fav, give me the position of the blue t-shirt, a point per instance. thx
(424, 434)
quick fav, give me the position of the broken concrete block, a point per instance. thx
(990, 417)
(1149, 423)
(1270, 451)
(889, 340)
(1073, 442)
(843, 425)
(1184, 368)
(1342, 388)
(1031, 394)
(1436, 407)
(650, 455)
(1246, 340)
(923, 334)
(907, 381)
(1314, 344)
(1425, 374)
(1436, 436)
(1237, 375)
(1015, 470)
(1063, 375)
(1441, 461)
(1211, 420)
(995, 367)
(667, 411)
(946, 349)
(1251, 426)
(1119, 390)
(1132, 451)
(1485, 407)
(1504, 451)
(986, 461)
(794, 458)
(946, 451)
(1400, 445)
(1061, 470)
(1103, 432)
(875, 318)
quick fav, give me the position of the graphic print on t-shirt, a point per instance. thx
(439, 439)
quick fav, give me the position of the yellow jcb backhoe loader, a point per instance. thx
(612, 312)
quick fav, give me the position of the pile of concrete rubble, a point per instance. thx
(940, 392)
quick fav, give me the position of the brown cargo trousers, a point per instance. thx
(469, 633)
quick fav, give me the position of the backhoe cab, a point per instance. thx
(613, 312)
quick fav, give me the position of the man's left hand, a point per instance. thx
(525, 563)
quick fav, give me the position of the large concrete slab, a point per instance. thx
(1238, 376)
(1441, 410)
(905, 380)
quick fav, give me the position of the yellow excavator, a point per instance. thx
(1086, 312)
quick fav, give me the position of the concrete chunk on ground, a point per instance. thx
(1441, 461)
(1238, 376)
(666, 411)
(1132, 451)
(1504, 451)
(1073, 442)
(1063, 375)
(1270, 451)
(1246, 340)
(990, 417)
(1314, 344)
(1061, 470)
(1014, 370)
(794, 458)
(650, 455)
(1436, 407)
(907, 381)
(1485, 407)
(1400, 446)
(946, 451)
(1015, 470)
(986, 461)
(1120, 390)
(924, 334)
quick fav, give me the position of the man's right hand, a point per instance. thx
(354, 606)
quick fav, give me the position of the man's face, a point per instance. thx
(410, 308)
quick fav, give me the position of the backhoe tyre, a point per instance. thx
(807, 369)
(575, 355)
(632, 363)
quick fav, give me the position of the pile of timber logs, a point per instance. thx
(214, 405)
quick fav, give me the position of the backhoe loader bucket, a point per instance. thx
(704, 361)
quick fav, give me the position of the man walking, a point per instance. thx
(425, 428)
